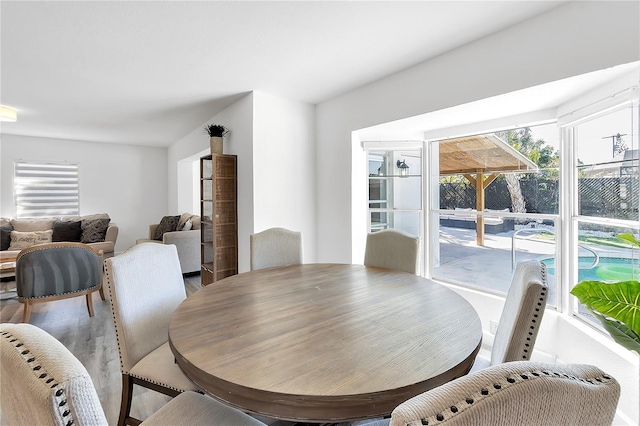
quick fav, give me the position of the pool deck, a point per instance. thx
(490, 266)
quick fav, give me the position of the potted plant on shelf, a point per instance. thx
(216, 132)
(615, 304)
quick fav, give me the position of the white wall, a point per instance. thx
(284, 167)
(238, 118)
(128, 182)
(572, 39)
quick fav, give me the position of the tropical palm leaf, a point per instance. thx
(620, 332)
(629, 237)
(620, 301)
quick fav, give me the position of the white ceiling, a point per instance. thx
(148, 73)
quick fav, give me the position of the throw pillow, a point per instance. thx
(183, 219)
(94, 230)
(167, 224)
(187, 226)
(23, 240)
(67, 231)
(195, 222)
(30, 225)
(5, 233)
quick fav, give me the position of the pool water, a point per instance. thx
(607, 269)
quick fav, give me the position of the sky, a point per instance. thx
(594, 141)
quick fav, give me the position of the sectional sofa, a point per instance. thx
(95, 230)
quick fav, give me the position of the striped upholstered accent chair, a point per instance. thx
(392, 249)
(275, 247)
(42, 383)
(54, 271)
(521, 316)
(515, 393)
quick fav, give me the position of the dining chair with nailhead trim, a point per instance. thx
(145, 286)
(393, 249)
(275, 247)
(515, 393)
(521, 316)
(42, 383)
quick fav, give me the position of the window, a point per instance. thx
(395, 190)
(605, 179)
(46, 189)
(570, 188)
(395, 187)
(496, 204)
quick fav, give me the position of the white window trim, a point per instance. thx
(569, 214)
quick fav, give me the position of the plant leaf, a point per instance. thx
(620, 332)
(620, 300)
(629, 237)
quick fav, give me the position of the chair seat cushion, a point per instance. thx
(190, 408)
(159, 367)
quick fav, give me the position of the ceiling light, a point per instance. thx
(8, 114)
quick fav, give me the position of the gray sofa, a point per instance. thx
(187, 243)
(89, 229)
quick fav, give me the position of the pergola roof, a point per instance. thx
(481, 153)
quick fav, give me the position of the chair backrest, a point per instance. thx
(392, 249)
(522, 313)
(57, 268)
(145, 286)
(517, 393)
(275, 247)
(42, 383)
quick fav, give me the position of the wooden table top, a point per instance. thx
(323, 342)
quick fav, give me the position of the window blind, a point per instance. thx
(46, 189)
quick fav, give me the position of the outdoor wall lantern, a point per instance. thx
(402, 166)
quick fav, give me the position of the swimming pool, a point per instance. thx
(607, 269)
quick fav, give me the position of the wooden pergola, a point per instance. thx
(481, 159)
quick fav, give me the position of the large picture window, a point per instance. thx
(497, 205)
(558, 193)
(605, 168)
(46, 189)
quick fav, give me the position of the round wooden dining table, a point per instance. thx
(323, 343)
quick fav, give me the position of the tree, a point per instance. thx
(544, 156)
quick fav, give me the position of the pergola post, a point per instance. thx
(480, 208)
(480, 184)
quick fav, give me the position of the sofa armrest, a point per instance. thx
(152, 231)
(182, 238)
(112, 233)
(188, 245)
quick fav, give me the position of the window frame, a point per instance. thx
(568, 125)
(432, 233)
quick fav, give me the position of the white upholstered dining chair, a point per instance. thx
(521, 316)
(275, 247)
(515, 393)
(42, 383)
(392, 249)
(145, 286)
